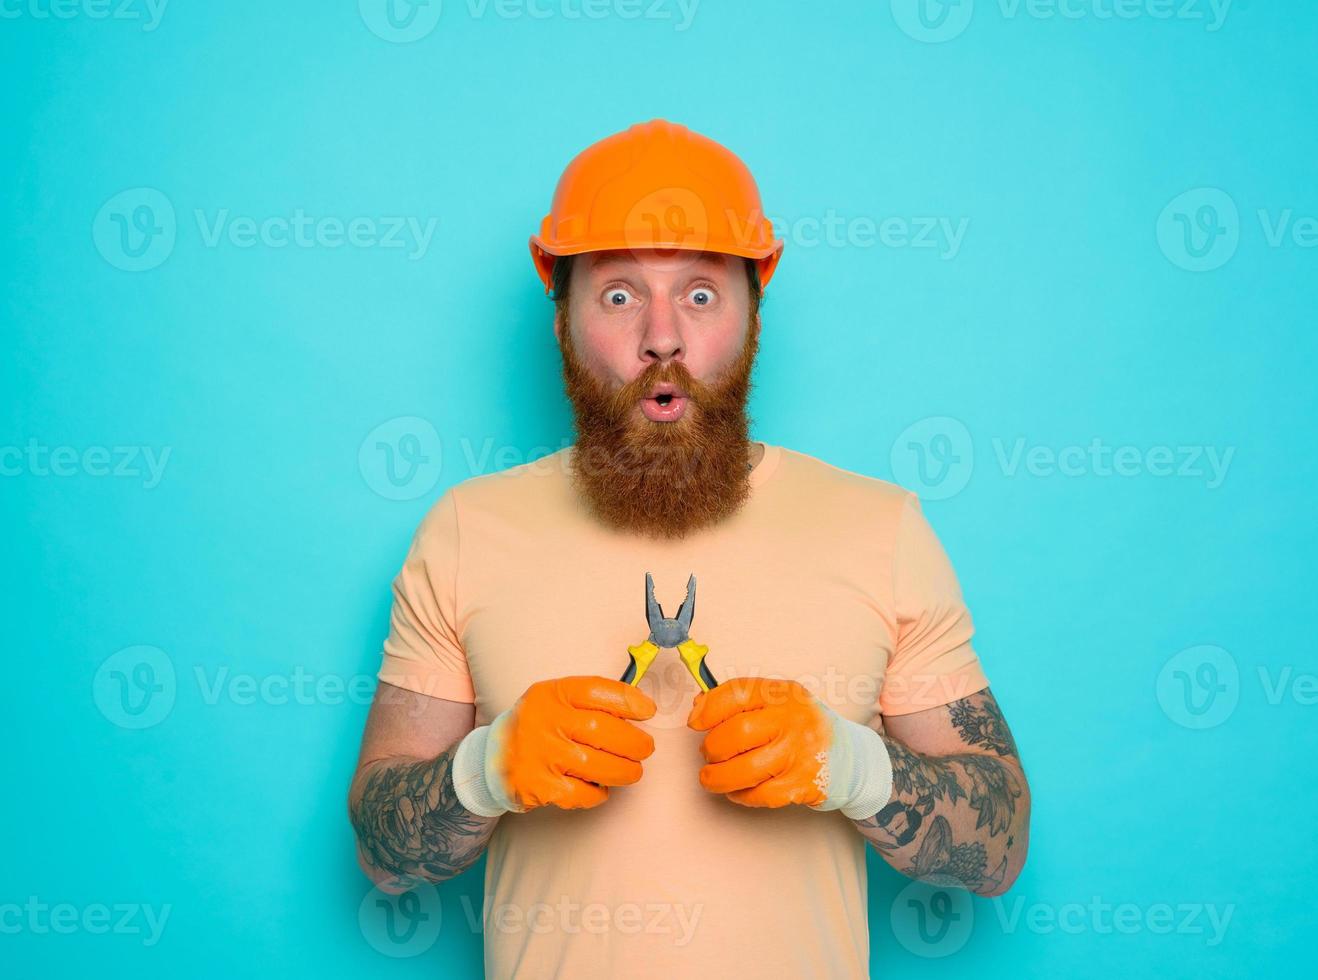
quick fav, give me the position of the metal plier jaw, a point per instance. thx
(674, 633)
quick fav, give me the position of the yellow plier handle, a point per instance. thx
(642, 656)
(691, 652)
(693, 655)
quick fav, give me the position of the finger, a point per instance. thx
(777, 792)
(596, 766)
(610, 733)
(732, 696)
(742, 732)
(607, 694)
(745, 770)
(580, 794)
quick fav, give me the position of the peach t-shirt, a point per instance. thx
(826, 576)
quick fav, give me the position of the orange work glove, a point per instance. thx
(564, 741)
(771, 742)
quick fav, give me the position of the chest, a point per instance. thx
(762, 613)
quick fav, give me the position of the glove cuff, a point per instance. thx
(859, 770)
(476, 778)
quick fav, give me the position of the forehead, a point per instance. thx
(616, 261)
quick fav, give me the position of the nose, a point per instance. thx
(661, 334)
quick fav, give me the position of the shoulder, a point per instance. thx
(814, 478)
(520, 492)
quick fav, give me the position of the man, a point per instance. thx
(673, 825)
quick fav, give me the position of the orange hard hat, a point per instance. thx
(656, 185)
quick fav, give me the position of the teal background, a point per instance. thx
(1072, 311)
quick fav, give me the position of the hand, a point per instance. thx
(771, 742)
(564, 742)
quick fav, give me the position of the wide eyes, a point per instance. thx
(617, 296)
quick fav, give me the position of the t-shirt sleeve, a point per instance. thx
(423, 652)
(933, 662)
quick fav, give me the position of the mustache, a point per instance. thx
(674, 372)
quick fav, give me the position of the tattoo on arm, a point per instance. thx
(928, 789)
(979, 721)
(410, 823)
(941, 861)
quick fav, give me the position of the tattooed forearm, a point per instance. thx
(958, 818)
(410, 823)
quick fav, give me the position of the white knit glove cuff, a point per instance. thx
(476, 776)
(858, 770)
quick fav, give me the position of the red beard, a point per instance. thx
(662, 479)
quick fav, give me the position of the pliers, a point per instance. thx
(666, 632)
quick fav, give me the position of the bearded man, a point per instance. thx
(642, 817)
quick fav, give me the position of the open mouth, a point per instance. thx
(664, 403)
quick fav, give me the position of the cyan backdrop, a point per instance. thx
(267, 294)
